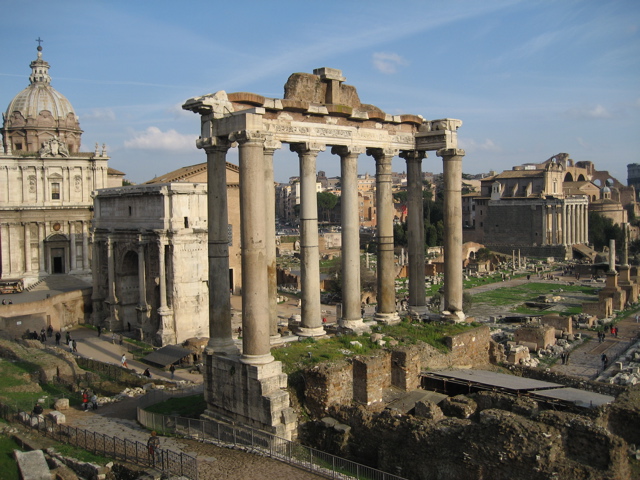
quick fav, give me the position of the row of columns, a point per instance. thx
(164, 308)
(566, 224)
(20, 188)
(257, 203)
(9, 231)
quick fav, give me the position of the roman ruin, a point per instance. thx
(317, 111)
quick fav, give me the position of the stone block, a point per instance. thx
(61, 404)
(32, 465)
(458, 406)
(57, 417)
(429, 410)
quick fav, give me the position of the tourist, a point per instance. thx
(74, 346)
(37, 410)
(566, 358)
(605, 362)
(172, 369)
(49, 331)
(99, 330)
(67, 337)
(85, 400)
(147, 373)
(123, 360)
(152, 445)
(58, 336)
(4, 302)
(94, 401)
(563, 357)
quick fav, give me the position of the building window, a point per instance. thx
(55, 191)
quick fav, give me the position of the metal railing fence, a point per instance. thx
(167, 461)
(225, 435)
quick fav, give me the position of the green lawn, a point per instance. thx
(8, 465)
(530, 292)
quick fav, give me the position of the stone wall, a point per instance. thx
(61, 311)
(371, 375)
(565, 324)
(538, 335)
(364, 379)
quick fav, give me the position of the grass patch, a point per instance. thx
(191, 407)
(80, 454)
(296, 356)
(8, 465)
(530, 292)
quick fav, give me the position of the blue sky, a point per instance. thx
(529, 79)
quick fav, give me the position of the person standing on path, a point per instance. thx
(605, 362)
(172, 369)
(58, 336)
(152, 445)
(123, 360)
(99, 330)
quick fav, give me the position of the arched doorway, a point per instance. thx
(57, 254)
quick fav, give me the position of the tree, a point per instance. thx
(602, 229)
(326, 203)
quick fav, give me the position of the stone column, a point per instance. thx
(351, 301)
(166, 333)
(452, 172)
(586, 223)
(255, 290)
(142, 277)
(612, 255)
(85, 247)
(111, 287)
(564, 223)
(27, 248)
(96, 278)
(220, 330)
(41, 253)
(386, 268)
(543, 240)
(270, 147)
(72, 246)
(554, 226)
(415, 230)
(311, 324)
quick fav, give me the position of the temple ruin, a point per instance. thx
(318, 111)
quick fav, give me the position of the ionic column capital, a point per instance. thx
(345, 151)
(271, 144)
(244, 137)
(303, 148)
(383, 154)
(413, 155)
(213, 144)
(450, 152)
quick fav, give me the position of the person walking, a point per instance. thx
(74, 346)
(172, 369)
(563, 357)
(605, 362)
(123, 361)
(58, 336)
(85, 400)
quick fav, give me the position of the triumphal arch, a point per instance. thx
(318, 111)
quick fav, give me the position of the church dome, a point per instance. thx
(39, 113)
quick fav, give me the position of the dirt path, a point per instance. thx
(214, 463)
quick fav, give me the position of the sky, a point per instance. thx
(529, 79)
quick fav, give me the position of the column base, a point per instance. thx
(418, 310)
(454, 317)
(256, 359)
(387, 318)
(254, 395)
(310, 332)
(222, 347)
(276, 340)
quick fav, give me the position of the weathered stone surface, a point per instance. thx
(459, 406)
(32, 465)
(57, 417)
(429, 410)
(61, 404)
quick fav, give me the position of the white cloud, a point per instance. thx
(582, 142)
(487, 145)
(589, 112)
(388, 62)
(177, 111)
(100, 114)
(155, 139)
